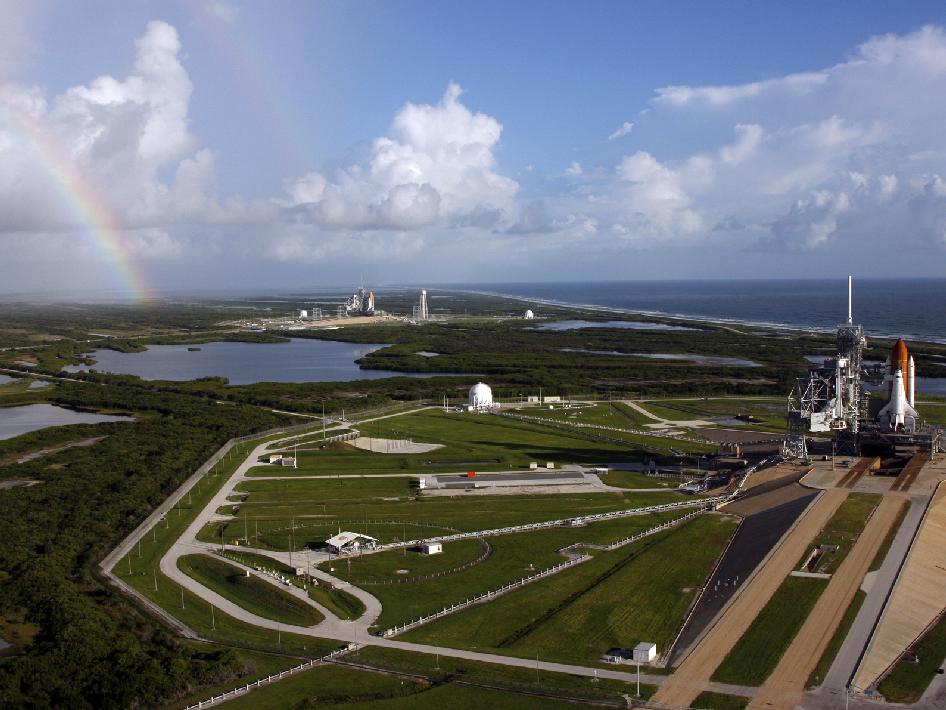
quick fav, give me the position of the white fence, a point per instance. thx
(243, 690)
(579, 520)
(393, 631)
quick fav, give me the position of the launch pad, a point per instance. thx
(834, 399)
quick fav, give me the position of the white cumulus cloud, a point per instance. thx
(437, 167)
(621, 131)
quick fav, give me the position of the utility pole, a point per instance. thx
(213, 619)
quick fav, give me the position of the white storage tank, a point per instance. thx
(481, 396)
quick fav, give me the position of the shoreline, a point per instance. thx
(684, 318)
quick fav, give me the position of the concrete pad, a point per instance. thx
(918, 597)
(392, 446)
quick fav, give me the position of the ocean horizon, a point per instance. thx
(913, 309)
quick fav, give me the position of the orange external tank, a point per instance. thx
(899, 357)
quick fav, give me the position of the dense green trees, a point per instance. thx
(93, 648)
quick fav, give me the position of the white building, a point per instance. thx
(346, 543)
(529, 315)
(303, 315)
(431, 548)
(481, 397)
(645, 652)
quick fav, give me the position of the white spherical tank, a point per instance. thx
(481, 396)
(529, 315)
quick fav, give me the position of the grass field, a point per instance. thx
(719, 701)
(769, 411)
(909, 679)
(635, 479)
(492, 443)
(338, 601)
(251, 593)
(442, 668)
(329, 685)
(404, 564)
(761, 647)
(834, 645)
(612, 414)
(842, 530)
(637, 592)
(318, 507)
(513, 556)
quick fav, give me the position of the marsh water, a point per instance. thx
(33, 417)
(299, 360)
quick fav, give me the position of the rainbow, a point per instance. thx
(87, 206)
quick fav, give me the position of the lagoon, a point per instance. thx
(33, 417)
(299, 360)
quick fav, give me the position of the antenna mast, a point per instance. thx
(850, 298)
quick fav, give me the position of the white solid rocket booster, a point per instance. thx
(911, 382)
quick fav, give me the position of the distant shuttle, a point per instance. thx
(898, 413)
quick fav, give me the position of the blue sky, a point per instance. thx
(299, 143)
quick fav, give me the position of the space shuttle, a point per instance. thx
(898, 413)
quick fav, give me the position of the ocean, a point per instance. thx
(914, 309)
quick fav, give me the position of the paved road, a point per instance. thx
(842, 670)
(690, 679)
(784, 688)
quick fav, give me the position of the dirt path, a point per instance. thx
(690, 679)
(784, 688)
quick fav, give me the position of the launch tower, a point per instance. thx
(833, 398)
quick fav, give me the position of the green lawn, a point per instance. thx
(613, 414)
(640, 592)
(329, 685)
(909, 679)
(635, 479)
(251, 593)
(761, 647)
(843, 529)
(719, 701)
(337, 601)
(769, 411)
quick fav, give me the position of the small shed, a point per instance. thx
(533, 465)
(431, 548)
(550, 464)
(287, 461)
(645, 652)
(275, 458)
(346, 543)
